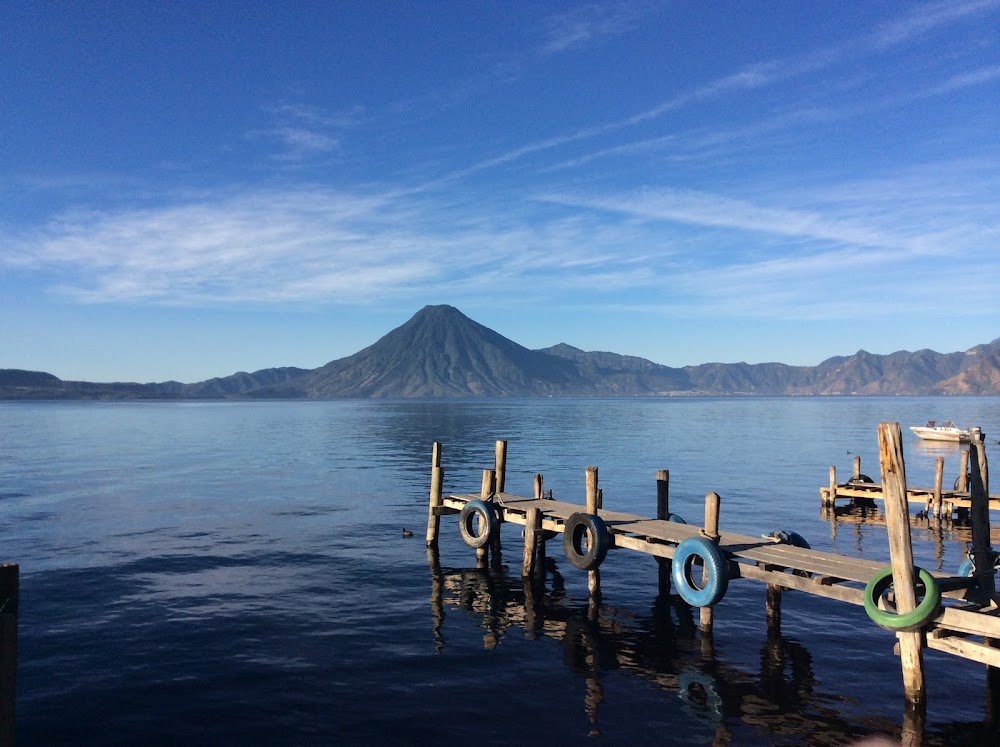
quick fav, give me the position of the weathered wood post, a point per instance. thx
(938, 481)
(711, 530)
(963, 472)
(831, 496)
(662, 512)
(979, 516)
(500, 462)
(857, 467)
(10, 595)
(485, 491)
(532, 538)
(593, 504)
(897, 515)
(436, 497)
(773, 611)
(540, 542)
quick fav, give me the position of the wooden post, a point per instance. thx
(857, 467)
(711, 530)
(963, 471)
(662, 512)
(10, 596)
(897, 516)
(436, 497)
(938, 480)
(773, 610)
(593, 504)
(540, 542)
(485, 491)
(831, 497)
(486, 488)
(532, 535)
(500, 460)
(979, 516)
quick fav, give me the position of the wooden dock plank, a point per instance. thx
(966, 649)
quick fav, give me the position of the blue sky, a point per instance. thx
(190, 189)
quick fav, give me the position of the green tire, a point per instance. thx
(913, 620)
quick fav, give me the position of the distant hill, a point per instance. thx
(440, 352)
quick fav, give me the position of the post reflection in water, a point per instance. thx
(662, 648)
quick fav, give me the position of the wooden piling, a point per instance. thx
(539, 484)
(711, 531)
(486, 489)
(9, 607)
(979, 516)
(593, 504)
(532, 538)
(436, 496)
(938, 480)
(500, 461)
(831, 497)
(897, 514)
(773, 610)
(662, 512)
(857, 467)
(962, 484)
(485, 492)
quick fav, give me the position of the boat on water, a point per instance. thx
(946, 431)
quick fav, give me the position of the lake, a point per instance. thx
(236, 573)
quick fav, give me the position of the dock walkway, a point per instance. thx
(762, 559)
(952, 613)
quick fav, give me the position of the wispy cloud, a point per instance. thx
(919, 20)
(590, 24)
(304, 246)
(300, 132)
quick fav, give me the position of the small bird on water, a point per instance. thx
(407, 533)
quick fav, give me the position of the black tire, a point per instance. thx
(794, 539)
(861, 480)
(482, 512)
(580, 526)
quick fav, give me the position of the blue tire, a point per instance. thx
(478, 514)
(965, 567)
(714, 563)
(580, 526)
(675, 518)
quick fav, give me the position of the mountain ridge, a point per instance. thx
(441, 353)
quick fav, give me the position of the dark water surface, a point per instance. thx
(236, 573)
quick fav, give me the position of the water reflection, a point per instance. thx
(779, 701)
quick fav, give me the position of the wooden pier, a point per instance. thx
(861, 490)
(953, 613)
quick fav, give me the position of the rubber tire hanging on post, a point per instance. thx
(488, 523)
(715, 564)
(898, 623)
(579, 526)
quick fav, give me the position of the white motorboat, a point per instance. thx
(946, 431)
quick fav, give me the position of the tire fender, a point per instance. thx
(579, 527)
(488, 523)
(715, 564)
(889, 619)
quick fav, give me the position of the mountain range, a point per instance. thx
(440, 352)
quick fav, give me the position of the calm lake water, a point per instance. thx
(236, 573)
